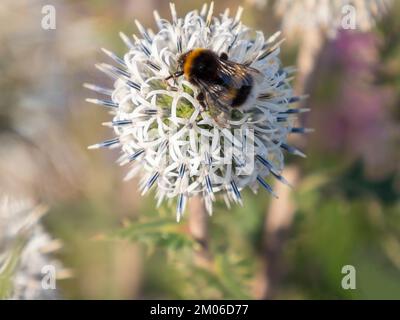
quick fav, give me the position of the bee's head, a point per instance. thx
(200, 63)
(182, 59)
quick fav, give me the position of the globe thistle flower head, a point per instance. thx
(302, 16)
(167, 137)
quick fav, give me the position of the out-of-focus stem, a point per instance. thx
(276, 228)
(280, 214)
(198, 226)
(307, 57)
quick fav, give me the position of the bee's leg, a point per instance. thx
(173, 76)
(201, 99)
(223, 56)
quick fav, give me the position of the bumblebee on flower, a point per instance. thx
(200, 79)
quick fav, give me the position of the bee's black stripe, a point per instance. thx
(241, 96)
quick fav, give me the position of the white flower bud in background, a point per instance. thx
(26, 253)
(164, 134)
(258, 4)
(328, 16)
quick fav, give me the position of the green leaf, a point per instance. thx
(159, 232)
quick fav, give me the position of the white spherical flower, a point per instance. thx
(302, 16)
(166, 134)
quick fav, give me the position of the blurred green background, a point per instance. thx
(347, 208)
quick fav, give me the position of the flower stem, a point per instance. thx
(307, 58)
(280, 214)
(276, 229)
(198, 226)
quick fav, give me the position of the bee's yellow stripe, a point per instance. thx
(232, 93)
(189, 60)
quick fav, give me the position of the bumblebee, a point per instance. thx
(223, 85)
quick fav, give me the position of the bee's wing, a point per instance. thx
(217, 103)
(220, 95)
(235, 75)
(217, 96)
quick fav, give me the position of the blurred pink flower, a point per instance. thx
(357, 117)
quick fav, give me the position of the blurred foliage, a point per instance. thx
(8, 264)
(159, 233)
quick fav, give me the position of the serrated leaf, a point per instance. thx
(158, 233)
